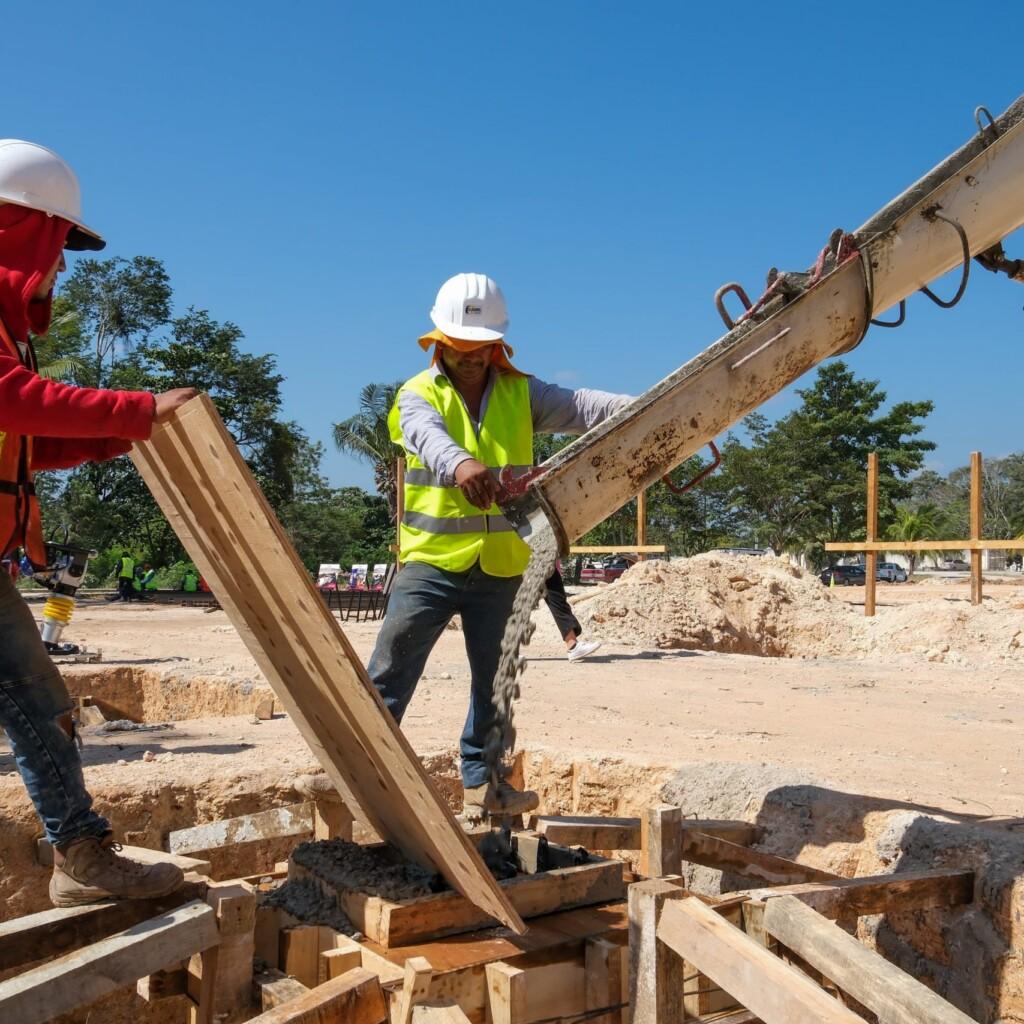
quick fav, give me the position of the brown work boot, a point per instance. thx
(482, 801)
(94, 870)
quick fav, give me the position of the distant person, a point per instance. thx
(568, 625)
(190, 581)
(124, 571)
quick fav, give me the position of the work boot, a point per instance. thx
(94, 870)
(482, 801)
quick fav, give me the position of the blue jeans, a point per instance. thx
(33, 700)
(422, 603)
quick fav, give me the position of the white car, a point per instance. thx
(890, 572)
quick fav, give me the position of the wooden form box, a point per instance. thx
(401, 922)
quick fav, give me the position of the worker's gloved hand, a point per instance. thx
(477, 483)
(167, 402)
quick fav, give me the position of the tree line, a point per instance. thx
(790, 485)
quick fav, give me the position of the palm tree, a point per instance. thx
(366, 436)
(922, 523)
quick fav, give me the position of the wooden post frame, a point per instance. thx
(641, 521)
(199, 479)
(893, 995)
(759, 980)
(871, 534)
(976, 578)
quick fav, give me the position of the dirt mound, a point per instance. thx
(735, 604)
(949, 631)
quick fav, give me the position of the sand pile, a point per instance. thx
(714, 602)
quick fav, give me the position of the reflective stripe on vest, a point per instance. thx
(439, 525)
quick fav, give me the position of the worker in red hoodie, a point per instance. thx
(48, 425)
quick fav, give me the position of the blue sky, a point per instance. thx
(314, 171)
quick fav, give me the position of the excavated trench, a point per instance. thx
(139, 695)
(972, 954)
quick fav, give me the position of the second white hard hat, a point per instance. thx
(471, 307)
(34, 176)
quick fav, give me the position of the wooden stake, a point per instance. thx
(415, 987)
(870, 581)
(506, 994)
(975, 526)
(641, 521)
(655, 972)
(661, 841)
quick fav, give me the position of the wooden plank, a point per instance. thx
(163, 984)
(879, 894)
(207, 492)
(661, 841)
(439, 1013)
(624, 833)
(636, 549)
(976, 511)
(300, 953)
(593, 833)
(710, 852)
(655, 974)
(871, 535)
(274, 988)
(24, 940)
(334, 962)
(607, 979)
(926, 545)
(506, 994)
(354, 998)
(894, 996)
(401, 923)
(86, 975)
(276, 823)
(415, 987)
(763, 984)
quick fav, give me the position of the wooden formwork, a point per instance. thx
(777, 954)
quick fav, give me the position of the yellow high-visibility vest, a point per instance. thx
(439, 526)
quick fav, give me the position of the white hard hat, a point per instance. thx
(34, 176)
(470, 307)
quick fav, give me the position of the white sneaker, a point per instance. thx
(581, 650)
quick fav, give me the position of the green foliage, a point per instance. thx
(113, 327)
(366, 436)
(802, 478)
(910, 524)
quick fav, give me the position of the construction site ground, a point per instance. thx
(905, 749)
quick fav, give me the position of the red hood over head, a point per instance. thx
(30, 242)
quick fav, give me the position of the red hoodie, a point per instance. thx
(70, 425)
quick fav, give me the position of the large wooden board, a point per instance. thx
(209, 496)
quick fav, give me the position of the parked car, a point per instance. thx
(891, 572)
(605, 571)
(955, 565)
(844, 575)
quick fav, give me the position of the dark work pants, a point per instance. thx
(422, 603)
(558, 604)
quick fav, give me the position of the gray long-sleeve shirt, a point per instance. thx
(555, 410)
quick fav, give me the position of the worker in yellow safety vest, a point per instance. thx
(463, 419)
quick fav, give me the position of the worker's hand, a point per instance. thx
(167, 402)
(477, 483)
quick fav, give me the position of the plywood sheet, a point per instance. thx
(201, 482)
